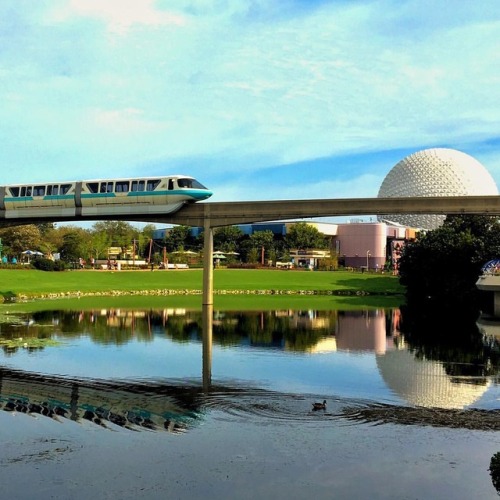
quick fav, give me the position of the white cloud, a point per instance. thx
(118, 15)
(121, 84)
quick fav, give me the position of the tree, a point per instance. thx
(227, 238)
(53, 238)
(252, 255)
(120, 233)
(263, 240)
(45, 227)
(99, 244)
(147, 231)
(442, 266)
(177, 238)
(302, 236)
(72, 248)
(16, 239)
(143, 241)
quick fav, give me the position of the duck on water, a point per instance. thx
(319, 406)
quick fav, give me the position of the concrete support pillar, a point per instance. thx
(208, 264)
(208, 301)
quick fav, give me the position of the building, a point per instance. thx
(360, 245)
(371, 245)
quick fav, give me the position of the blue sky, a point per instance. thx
(258, 99)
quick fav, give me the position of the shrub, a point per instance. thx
(243, 265)
(59, 265)
(43, 264)
(48, 265)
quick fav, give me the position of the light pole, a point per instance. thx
(367, 261)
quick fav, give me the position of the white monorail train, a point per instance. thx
(100, 197)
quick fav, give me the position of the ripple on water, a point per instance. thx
(177, 405)
(264, 408)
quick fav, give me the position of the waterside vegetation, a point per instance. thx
(440, 269)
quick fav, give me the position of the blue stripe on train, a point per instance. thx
(30, 198)
(197, 194)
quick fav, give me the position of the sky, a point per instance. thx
(257, 99)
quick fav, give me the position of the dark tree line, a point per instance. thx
(443, 265)
(440, 270)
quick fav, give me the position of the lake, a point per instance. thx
(181, 403)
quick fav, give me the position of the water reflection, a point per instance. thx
(288, 330)
(283, 330)
(422, 365)
(177, 406)
(424, 382)
(208, 315)
(132, 405)
(367, 330)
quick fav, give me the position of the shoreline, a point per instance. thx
(160, 292)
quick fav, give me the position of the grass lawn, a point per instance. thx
(221, 302)
(33, 283)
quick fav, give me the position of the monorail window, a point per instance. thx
(53, 190)
(93, 187)
(171, 184)
(26, 191)
(14, 191)
(138, 186)
(39, 191)
(190, 183)
(106, 187)
(184, 183)
(122, 187)
(152, 185)
(65, 188)
(197, 185)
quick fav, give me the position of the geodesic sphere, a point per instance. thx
(434, 172)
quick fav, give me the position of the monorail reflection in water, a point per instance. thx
(416, 382)
(130, 405)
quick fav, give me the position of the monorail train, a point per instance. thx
(100, 197)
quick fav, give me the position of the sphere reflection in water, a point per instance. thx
(424, 382)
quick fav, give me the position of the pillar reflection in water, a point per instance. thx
(207, 326)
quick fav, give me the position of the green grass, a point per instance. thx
(33, 283)
(221, 302)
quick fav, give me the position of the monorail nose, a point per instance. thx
(203, 195)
